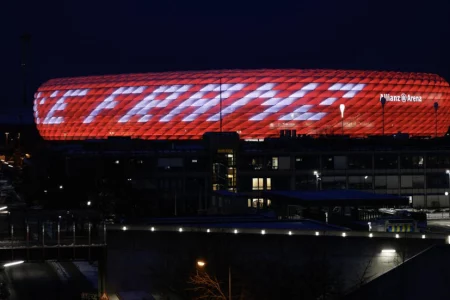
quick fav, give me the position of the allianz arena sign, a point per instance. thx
(401, 98)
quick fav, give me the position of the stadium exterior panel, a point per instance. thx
(255, 103)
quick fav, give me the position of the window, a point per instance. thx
(230, 159)
(257, 184)
(256, 202)
(359, 161)
(386, 161)
(256, 163)
(275, 163)
(307, 162)
(411, 161)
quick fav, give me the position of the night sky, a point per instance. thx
(90, 37)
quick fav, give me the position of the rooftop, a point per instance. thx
(337, 197)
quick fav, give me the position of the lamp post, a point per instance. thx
(342, 109)
(448, 173)
(201, 264)
(383, 102)
(448, 199)
(220, 102)
(317, 174)
(436, 106)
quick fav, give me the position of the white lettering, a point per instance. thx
(401, 98)
(110, 102)
(223, 91)
(152, 100)
(60, 105)
(195, 100)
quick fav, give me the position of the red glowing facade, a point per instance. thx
(256, 104)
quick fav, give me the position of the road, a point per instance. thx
(43, 281)
(439, 226)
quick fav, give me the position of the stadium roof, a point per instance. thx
(336, 197)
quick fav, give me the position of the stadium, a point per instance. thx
(256, 104)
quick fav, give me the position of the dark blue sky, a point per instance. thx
(86, 37)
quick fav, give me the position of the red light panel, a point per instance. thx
(256, 104)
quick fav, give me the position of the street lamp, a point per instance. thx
(342, 109)
(6, 138)
(202, 264)
(317, 174)
(436, 106)
(89, 203)
(365, 178)
(383, 102)
(448, 173)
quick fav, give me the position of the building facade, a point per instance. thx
(183, 177)
(256, 104)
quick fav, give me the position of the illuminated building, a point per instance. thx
(256, 104)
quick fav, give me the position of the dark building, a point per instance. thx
(184, 177)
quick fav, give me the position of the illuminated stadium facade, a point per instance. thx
(256, 104)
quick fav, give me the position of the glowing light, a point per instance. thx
(342, 109)
(195, 101)
(290, 232)
(3, 207)
(208, 230)
(201, 263)
(263, 232)
(344, 234)
(180, 229)
(397, 236)
(235, 231)
(152, 229)
(124, 228)
(423, 236)
(13, 263)
(317, 233)
(371, 235)
(388, 251)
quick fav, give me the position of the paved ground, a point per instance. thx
(42, 281)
